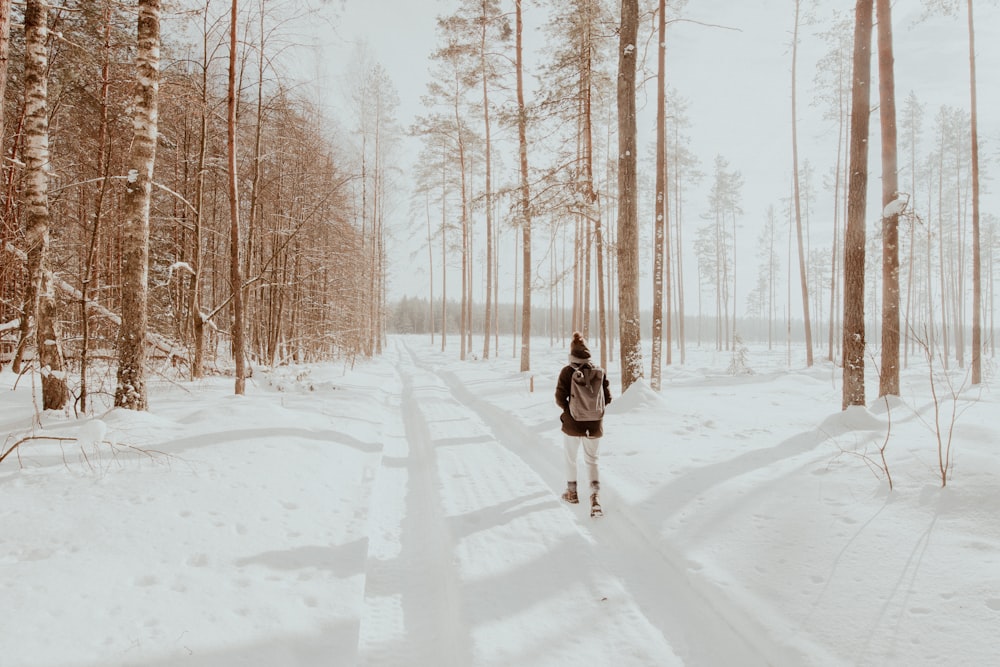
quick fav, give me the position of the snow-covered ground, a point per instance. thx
(406, 512)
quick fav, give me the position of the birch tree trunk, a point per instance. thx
(41, 303)
(889, 373)
(628, 224)
(131, 389)
(854, 238)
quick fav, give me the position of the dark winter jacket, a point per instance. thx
(592, 429)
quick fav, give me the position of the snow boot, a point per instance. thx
(595, 500)
(569, 495)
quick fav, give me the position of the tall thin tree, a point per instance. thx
(854, 238)
(4, 57)
(797, 195)
(628, 221)
(131, 389)
(235, 269)
(661, 207)
(889, 373)
(88, 280)
(491, 20)
(977, 288)
(41, 303)
(525, 191)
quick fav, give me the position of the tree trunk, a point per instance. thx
(834, 263)
(194, 298)
(854, 238)
(466, 325)
(444, 256)
(4, 57)
(36, 157)
(678, 202)
(945, 324)
(659, 210)
(522, 122)
(131, 390)
(977, 290)
(254, 232)
(235, 270)
(798, 206)
(667, 255)
(889, 373)
(430, 271)
(628, 224)
(591, 199)
(487, 324)
(103, 160)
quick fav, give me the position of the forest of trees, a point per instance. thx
(173, 197)
(910, 285)
(156, 212)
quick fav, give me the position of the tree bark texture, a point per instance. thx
(977, 288)
(660, 208)
(131, 388)
(235, 270)
(4, 57)
(522, 139)
(488, 203)
(854, 238)
(5, 274)
(195, 308)
(889, 373)
(89, 279)
(42, 302)
(628, 224)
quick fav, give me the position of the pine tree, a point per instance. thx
(854, 240)
(628, 224)
(889, 373)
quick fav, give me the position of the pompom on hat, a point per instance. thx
(578, 347)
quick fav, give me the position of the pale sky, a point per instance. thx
(737, 83)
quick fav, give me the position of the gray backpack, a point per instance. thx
(586, 394)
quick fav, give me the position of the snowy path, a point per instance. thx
(406, 512)
(473, 493)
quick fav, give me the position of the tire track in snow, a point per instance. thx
(412, 610)
(704, 624)
(518, 576)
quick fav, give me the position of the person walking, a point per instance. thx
(585, 386)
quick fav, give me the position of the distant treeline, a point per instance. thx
(412, 315)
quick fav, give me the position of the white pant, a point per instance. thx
(571, 444)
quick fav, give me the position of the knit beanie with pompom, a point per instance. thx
(578, 347)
